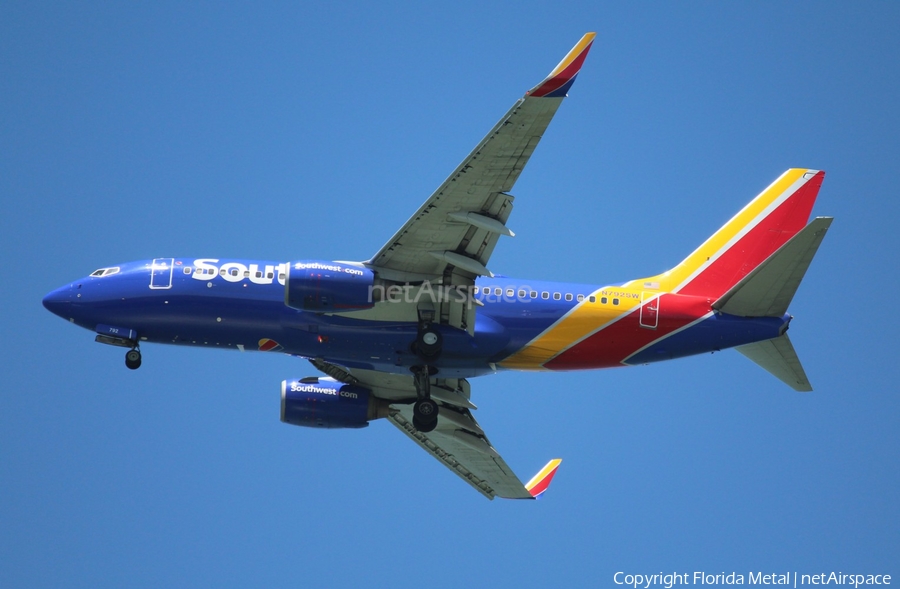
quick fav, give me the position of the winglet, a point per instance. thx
(563, 75)
(541, 481)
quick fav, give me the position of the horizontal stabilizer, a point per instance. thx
(779, 358)
(768, 289)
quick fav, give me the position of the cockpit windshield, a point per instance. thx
(105, 271)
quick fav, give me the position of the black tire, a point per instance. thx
(425, 415)
(429, 343)
(424, 427)
(133, 359)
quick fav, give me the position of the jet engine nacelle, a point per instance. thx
(335, 287)
(325, 402)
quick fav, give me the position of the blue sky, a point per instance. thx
(277, 131)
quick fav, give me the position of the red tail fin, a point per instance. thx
(751, 236)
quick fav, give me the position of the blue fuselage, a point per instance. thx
(240, 304)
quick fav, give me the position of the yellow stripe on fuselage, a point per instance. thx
(675, 278)
(583, 320)
(587, 318)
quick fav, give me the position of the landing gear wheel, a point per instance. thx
(425, 415)
(425, 409)
(133, 359)
(429, 343)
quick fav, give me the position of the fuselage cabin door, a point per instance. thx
(161, 273)
(649, 310)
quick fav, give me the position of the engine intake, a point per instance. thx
(325, 402)
(314, 285)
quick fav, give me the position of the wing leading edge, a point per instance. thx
(457, 228)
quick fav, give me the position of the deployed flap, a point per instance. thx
(393, 387)
(779, 358)
(467, 214)
(460, 444)
(768, 289)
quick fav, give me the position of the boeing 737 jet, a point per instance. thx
(400, 335)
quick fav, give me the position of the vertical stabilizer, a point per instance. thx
(776, 215)
(779, 358)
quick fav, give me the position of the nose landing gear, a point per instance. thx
(133, 359)
(121, 338)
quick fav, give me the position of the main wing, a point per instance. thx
(454, 232)
(449, 240)
(458, 442)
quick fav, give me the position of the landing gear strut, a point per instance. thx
(427, 347)
(425, 411)
(133, 358)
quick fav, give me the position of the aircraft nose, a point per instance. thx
(59, 301)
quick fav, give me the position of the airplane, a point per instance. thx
(399, 336)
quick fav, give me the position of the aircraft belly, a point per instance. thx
(266, 324)
(206, 321)
(374, 345)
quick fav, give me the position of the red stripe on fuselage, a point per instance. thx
(611, 345)
(758, 244)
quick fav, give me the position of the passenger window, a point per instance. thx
(568, 296)
(556, 296)
(259, 274)
(187, 269)
(269, 275)
(498, 291)
(246, 273)
(615, 301)
(234, 272)
(545, 295)
(533, 294)
(603, 300)
(580, 298)
(521, 294)
(510, 292)
(593, 299)
(281, 276)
